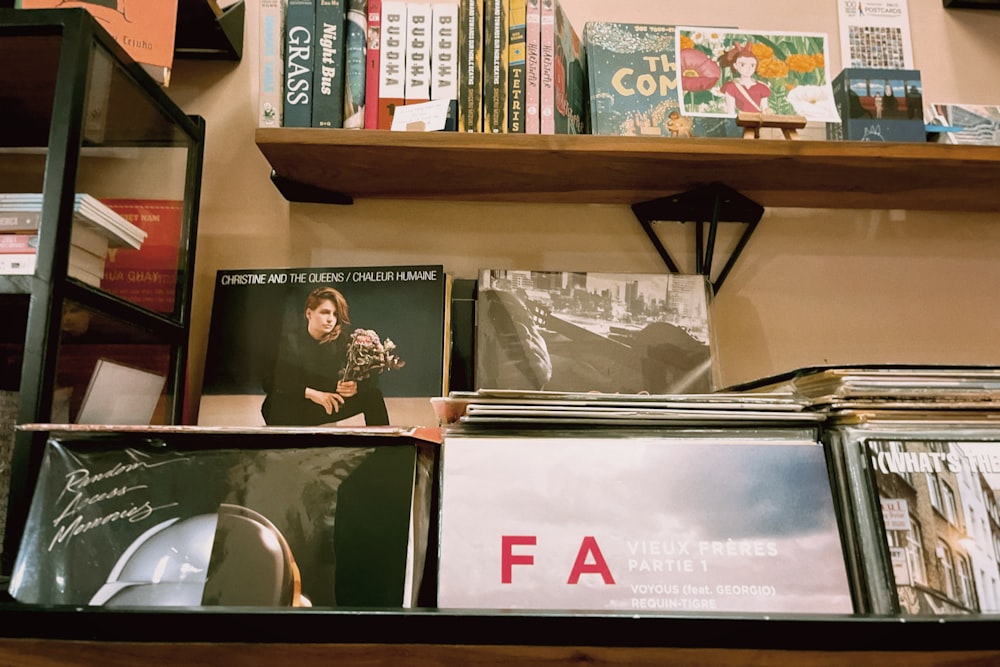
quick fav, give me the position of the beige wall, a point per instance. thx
(814, 286)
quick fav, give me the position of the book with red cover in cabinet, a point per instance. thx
(373, 55)
(144, 28)
(147, 276)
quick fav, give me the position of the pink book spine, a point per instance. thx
(547, 97)
(533, 69)
(372, 63)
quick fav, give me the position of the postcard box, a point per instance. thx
(629, 522)
(189, 516)
(878, 105)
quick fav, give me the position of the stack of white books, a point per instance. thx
(96, 228)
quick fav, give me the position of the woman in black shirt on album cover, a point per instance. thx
(305, 388)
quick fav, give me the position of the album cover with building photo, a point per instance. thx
(607, 332)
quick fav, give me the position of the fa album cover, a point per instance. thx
(646, 522)
(191, 517)
(311, 346)
(607, 332)
(921, 496)
(725, 71)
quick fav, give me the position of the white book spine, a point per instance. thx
(417, 86)
(392, 59)
(444, 52)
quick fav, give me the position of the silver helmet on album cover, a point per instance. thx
(234, 556)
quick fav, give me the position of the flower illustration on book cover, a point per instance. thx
(368, 355)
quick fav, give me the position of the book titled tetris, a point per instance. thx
(575, 331)
(634, 83)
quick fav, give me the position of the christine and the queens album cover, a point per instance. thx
(308, 346)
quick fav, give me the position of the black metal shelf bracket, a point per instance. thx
(706, 207)
(309, 194)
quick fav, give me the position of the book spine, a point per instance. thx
(18, 264)
(532, 68)
(355, 66)
(569, 76)
(18, 243)
(417, 83)
(444, 58)
(19, 221)
(546, 95)
(392, 61)
(300, 26)
(328, 64)
(470, 63)
(516, 66)
(372, 57)
(495, 39)
(270, 62)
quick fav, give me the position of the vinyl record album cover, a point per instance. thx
(919, 491)
(195, 517)
(735, 522)
(609, 332)
(281, 342)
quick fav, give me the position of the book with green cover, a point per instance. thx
(634, 83)
(328, 67)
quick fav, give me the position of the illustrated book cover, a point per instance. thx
(578, 331)
(201, 517)
(569, 75)
(145, 29)
(356, 63)
(731, 522)
(281, 342)
(634, 83)
(725, 71)
(918, 491)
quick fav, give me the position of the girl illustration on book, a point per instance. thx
(306, 388)
(743, 92)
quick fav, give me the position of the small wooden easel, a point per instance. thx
(752, 121)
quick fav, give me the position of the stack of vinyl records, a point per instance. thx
(637, 504)
(491, 407)
(887, 387)
(914, 455)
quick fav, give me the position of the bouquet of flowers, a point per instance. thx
(368, 355)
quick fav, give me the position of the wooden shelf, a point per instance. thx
(60, 636)
(330, 165)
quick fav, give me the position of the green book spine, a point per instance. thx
(300, 28)
(328, 70)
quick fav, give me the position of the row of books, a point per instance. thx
(470, 65)
(96, 229)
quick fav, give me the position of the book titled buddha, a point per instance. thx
(326, 345)
(144, 28)
(609, 332)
